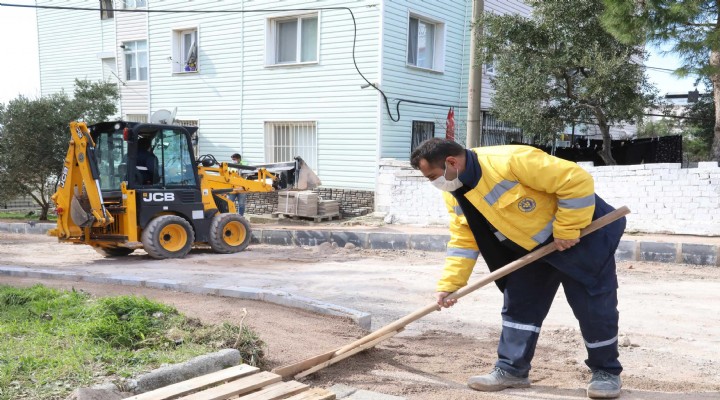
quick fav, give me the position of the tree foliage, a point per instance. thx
(34, 138)
(561, 67)
(691, 27)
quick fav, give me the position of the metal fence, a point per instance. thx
(496, 132)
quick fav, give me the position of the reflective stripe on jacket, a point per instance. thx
(527, 195)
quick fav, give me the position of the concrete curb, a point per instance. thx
(160, 377)
(363, 319)
(629, 250)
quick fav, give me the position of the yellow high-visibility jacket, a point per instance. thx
(527, 195)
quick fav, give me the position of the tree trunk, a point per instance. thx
(606, 153)
(715, 62)
(44, 210)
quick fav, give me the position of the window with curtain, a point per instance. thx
(295, 40)
(425, 43)
(185, 50)
(136, 60)
(106, 9)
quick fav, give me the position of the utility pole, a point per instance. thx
(474, 117)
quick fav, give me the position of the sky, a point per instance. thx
(20, 73)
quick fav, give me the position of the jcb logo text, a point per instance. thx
(158, 197)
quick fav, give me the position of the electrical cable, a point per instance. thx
(352, 15)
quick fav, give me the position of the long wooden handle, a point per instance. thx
(493, 276)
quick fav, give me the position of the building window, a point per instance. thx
(136, 117)
(195, 138)
(185, 50)
(106, 9)
(136, 60)
(426, 43)
(490, 68)
(421, 131)
(286, 140)
(292, 40)
(134, 3)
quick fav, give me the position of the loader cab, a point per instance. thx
(144, 155)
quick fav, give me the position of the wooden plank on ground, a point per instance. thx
(235, 388)
(314, 394)
(190, 385)
(277, 391)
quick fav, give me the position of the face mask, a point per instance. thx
(447, 186)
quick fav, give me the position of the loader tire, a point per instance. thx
(229, 233)
(168, 236)
(113, 251)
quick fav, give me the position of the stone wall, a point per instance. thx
(353, 203)
(663, 198)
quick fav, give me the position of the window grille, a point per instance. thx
(286, 140)
(421, 131)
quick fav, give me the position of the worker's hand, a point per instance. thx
(564, 244)
(440, 297)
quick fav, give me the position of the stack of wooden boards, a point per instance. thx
(240, 382)
(306, 204)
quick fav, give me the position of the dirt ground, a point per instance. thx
(670, 318)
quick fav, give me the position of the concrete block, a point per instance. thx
(277, 237)
(707, 164)
(197, 366)
(14, 271)
(342, 391)
(656, 251)
(700, 254)
(39, 229)
(428, 242)
(311, 238)
(129, 280)
(99, 394)
(359, 239)
(209, 288)
(388, 241)
(626, 251)
(241, 292)
(256, 236)
(165, 284)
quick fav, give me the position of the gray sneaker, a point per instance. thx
(497, 379)
(604, 385)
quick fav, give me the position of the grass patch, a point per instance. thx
(26, 216)
(53, 341)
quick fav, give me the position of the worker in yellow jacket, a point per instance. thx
(505, 201)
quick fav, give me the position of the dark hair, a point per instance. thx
(236, 155)
(144, 143)
(435, 151)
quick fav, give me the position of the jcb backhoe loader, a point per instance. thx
(127, 186)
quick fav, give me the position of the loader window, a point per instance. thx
(177, 167)
(110, 151)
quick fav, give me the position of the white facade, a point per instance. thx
(249, 95)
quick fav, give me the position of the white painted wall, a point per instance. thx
(235, 93)
(68, 45)
(134, 97)
(447, 87)
(663, 198)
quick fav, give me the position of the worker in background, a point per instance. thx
(505, 201)
(238, 198)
